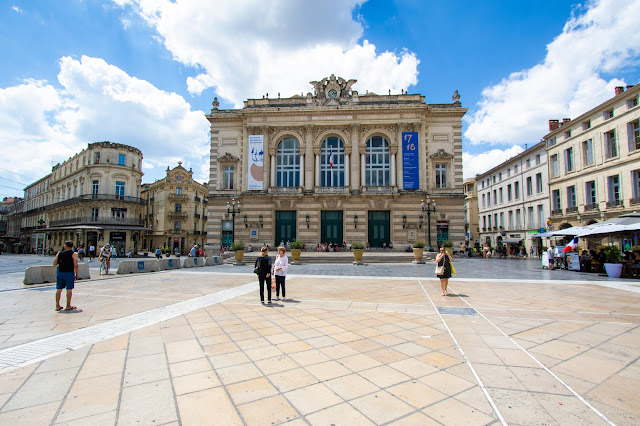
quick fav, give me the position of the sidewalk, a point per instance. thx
(196, 346)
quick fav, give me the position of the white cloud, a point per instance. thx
(479, 163)
(98, 102)
(16, 9)
(249, 48)
(602, 39)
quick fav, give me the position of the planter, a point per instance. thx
(449, 250)
(238, 255)
(418, 253)
(295, 256)
(614, 270)
(357, 255)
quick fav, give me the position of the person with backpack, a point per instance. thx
(158, 253)
(263, 269)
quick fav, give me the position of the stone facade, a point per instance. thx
(594, 162)
(329, 167)
(513, 199)
(175, 211)
(95, 199)
(471, 224)
(34, 216)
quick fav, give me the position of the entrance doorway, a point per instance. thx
(443, 232)
(331, 226)
(379, 228)
(285, 226)
(118, 240)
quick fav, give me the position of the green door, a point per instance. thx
(379, 228)
(227, 238)
(285, 226)
(331, 226)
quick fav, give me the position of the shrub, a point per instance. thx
(612, 254)
(418, 244)
(295, 244)
(238, 245)
(447, 243)
(357, 245)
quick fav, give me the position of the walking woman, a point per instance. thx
(280, 271)
(444, 260)
(263, 262)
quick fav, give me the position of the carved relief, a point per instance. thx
(228, 158)
(285, 204)
(441, 154)
(378, 202)
(333, 91)
(332, 203)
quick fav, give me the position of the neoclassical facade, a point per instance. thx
(336, 166)
(175, 211)
(471, 227)
(94, 198)
(594, 162)
(513, 199)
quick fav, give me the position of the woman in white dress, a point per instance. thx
(280, 267)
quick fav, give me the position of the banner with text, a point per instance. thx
(256, 163)
(410, 161)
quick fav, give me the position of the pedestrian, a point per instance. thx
(200, 251)
(129, 253)
(524, 252)
(67, 262)
(176, 251)
(81, 253)
(280, 272)
(531, 252)
(158, 253)
(550, 257)
(263, 269)
(194, 251)
(443, 262)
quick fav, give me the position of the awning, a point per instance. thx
(512, 240)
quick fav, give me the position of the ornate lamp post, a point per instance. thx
(233, 208)
(430, 208)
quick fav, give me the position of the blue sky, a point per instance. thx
(144, 72)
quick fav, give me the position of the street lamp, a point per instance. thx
(431, 208)
(233, 208)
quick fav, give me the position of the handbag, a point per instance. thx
(439, 270)
(453, 269)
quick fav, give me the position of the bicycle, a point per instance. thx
(104, 266)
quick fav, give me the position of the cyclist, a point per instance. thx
(105, 253)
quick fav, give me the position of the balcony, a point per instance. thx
(178, 197)
(96, 197)
(331, 189)
(285, 190)
(177, 215)
(634, 201)
(377, 189)
(556, 212)
(89, 220)
(196, 199)
(591, 207)
(614, 203)
(573, 209)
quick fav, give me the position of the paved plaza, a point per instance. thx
(375, 344)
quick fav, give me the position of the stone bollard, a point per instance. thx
(213, 261)
(137, 266)
(193, 262)
(48, 274)
(165, 264)
(83, 271)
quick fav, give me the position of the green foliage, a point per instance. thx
(357, 245)
(238, 245)
(447, 243)
(295, 244)
(418, 244)
(612, 254)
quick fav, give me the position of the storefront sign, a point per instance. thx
(256, 163)
(410, 163)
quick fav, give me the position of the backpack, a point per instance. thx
(158, 252)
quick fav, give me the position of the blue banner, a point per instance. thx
(410, 161)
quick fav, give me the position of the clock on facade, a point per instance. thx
(332, 93)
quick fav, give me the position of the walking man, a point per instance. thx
(67, 262)
(92, 252)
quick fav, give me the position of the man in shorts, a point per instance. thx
(106, 253)
(67, 262)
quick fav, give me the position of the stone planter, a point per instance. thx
(614, 270)
(357, 256)
(295, 256)
(449, 250)
(418, 253)
(239, 256)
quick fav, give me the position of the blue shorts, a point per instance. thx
(65, 279)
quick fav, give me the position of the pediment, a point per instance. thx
(442, 154)
(228, 158)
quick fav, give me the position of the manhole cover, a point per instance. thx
(448, 310)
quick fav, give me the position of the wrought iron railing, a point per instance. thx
(90, 220)
(96, 197)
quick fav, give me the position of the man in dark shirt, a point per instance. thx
(67, 262)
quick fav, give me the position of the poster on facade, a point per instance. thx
(410, 162)
(256, 163)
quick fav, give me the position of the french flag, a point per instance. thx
(571, 246)
(331, 160)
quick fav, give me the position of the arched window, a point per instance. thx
(377, 162)
(332, 162)
(288, 163)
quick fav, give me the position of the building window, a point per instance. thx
(119, 190)
(495, 197)
(495, 220)
(555, 200)
(529, 186)
(518, 219)
(539, 183)
(540, 215)
(227, 181)
(94, 189)
(590, 193)
(483, 201)
(614, 190)
(633, 130)
(494, 179)
(509, 192)
(501, 219)
(118, 214)
(568, 160)
(121, 159)
(509, 172)
(96, 157)
(510, 215)
(555, 170)
(608, 114)
(488, 199)
(537, 159)
(500, 194)
(288, 163)
(178, 207)
(441, 177)
(528, 163)
(587, 153)
(489, 221)
(178, 190)
(633, 102)
(551, 142)
(516, 189)
(484, 222)
(567, 134)
(586, 125)
(177, 225)
(610, 144)
(332, 161)
(530, 217)
(94, 214)
(635, 179)
(571, 197)
(500, 176)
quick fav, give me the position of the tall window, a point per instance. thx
(614, 190)
(500, 194)
(568, 160)
(516, 189)
(510, 215)
(541, 215)
(528, 163)
(177, 225)
(495, 220)
(441, 176)
(288, 163)
(537, 159)
(332, 162)
(178, 207)
(119, 190)
(118, 214)
(509, 192)
(587, 152)
(635, 179)
(96, 157)
(121, 159)
(529, 186)
(94, 214)
(502, 219)
(495, 197)
(227, 182)
(571, 197)
(530, 217)
(377, 162)
(94, 189)
(610, 144)
(555, 170)
(178, 190)
(555, 200)
(539, 183)
(633, 130)
(483, 201)
(590, 193)
(518, 219)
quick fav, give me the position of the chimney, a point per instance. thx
(553, 125)
(630, 86)
(619, 90)
(565, 120)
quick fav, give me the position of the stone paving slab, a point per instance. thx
(362, 350)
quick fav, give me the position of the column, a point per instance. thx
(354, 154)
(302, 170)
(393, 169)
(346, 170)
(308, 154)
(265, 169)
(317, 170)
(362, 166)
(272, 167)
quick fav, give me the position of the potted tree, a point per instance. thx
(612, 261)
(448, 246)
(418, 250)
(238, 248)
(296, 249)
(358, 248)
